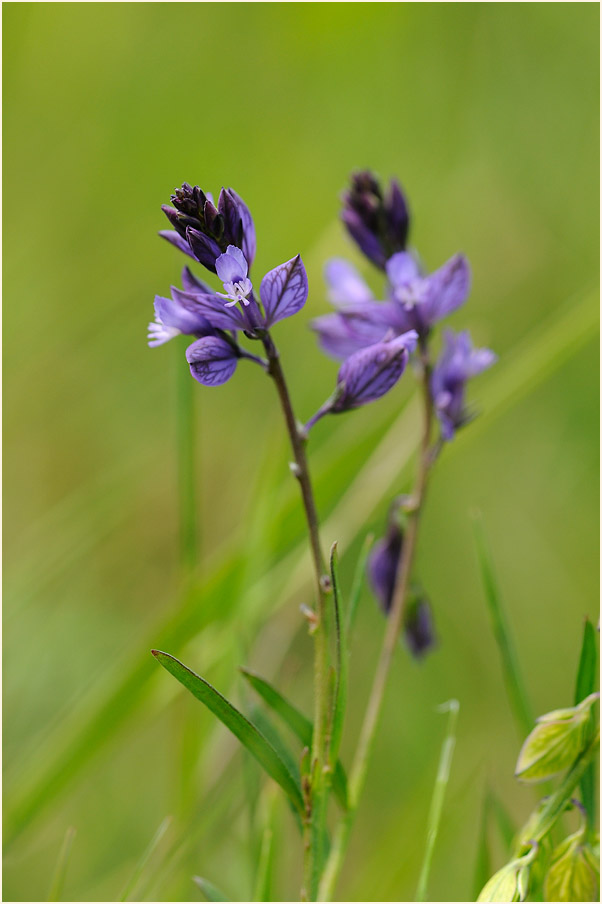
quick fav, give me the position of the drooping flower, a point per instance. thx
(378, 222)
(204, 231)
(368, 374)
(458, 362)
(383, 568)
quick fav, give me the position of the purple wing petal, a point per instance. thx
(283, 290)
(212, 360)
(182, 313)
(345, 284)
(171, 236)
(369, 374)
(213, 308)
(248, 228)
(341, 336)
(193, 284)
(447, 288)
(402, 269)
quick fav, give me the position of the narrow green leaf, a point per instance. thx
(340, 696)
(357, 586)
(240, 726)
(211, 891)
(441, 782)
(146, 856)
(584, 686)
(515, 687)
(265, 864)
(299, 724)
(271, 734)
(60, 870)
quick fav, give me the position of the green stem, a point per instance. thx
(319, 757)
(394, 626)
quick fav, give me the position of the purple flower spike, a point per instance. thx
(203, 230)
(458, 362)
(368, 374)
(379, 224)
(212, 360)
(283, 290)
(174, 316)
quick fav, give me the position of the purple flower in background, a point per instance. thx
(368, 374)
(458, 362)
(378, 222)
(418, 626)
(416, 302)
(204, 231)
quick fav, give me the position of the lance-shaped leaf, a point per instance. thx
(238, 724)
(283, 290)
(585, 685)
(299, 724)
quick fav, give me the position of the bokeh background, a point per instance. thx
(488, 113)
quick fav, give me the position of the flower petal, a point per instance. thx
(213, 308)
(341, 335)
(402, 269)
(231, 266)
(446, 289)
(284, 290)
(248, 228)
(212, 360)
(192, 283)
(205, 250)
(369, 374)
(345, 284)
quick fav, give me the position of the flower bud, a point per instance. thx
(555, 743)
(511, 882)
(378, 223)
(574, 874)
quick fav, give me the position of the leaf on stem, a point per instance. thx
(239, 725)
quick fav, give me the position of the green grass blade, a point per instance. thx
(357, 586)
(515, 687)
(60, 870)
(245, 731)
(154, 843)
(505, 825)
(211, 891)
(265, 865)
(299, 724)
(340, 696)
(441, 782)
(585, 685)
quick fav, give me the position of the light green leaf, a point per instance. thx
(245, 731)
(211, 891)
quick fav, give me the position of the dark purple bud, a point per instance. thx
(205, 249)
(212, 360)
(458, 362)
(283, 290)
(418, 626)
(383, 564)
(367, 375)
(379, 224)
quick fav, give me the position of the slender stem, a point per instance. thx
(320, 781)
(394, 625)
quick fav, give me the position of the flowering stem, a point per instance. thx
(394, 625)
(319, 759)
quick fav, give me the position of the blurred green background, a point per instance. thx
(488, 113)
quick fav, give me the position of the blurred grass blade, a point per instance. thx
(434, 818)
(584, 686)
(513, 680)
(211, 891)
(244, 730)
(340, 695)
(483, 868)
(265, 865)
(154, 843)
(299, 724)
(357, 586)
(505, 826)
(60, 870)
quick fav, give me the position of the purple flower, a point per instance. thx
(458, 362)
(212, 360)
(180, 314)
(421, 301)
(203, 230)
(383, 566)
(232, 269)
(368, 374)
(378, 223)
